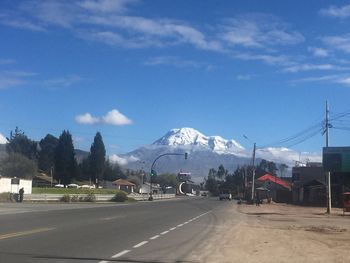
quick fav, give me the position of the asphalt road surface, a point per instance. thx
(159, 231)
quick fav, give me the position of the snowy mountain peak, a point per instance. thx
(192, 137)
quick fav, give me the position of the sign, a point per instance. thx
(15, 181)
(336, 159)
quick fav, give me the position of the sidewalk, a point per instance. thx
(280, 233)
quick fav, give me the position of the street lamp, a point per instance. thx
(153, 172)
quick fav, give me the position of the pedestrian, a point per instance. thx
(21, 193)
(257, 199)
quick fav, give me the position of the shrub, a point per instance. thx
(6, 197)
(131, 200)
(120, 196)
(74, 198)
(90, 197)
(66, 198)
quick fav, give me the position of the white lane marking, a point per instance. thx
(173, 228)
(121, 254)
(165, 232)
(103, 261)
(140, 244)
(180, 225)
(185, 223)
(154, 237)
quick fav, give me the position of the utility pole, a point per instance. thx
(329, 193)
(253, 179)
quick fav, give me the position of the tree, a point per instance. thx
(65, 163)
(18, 142)
(113, 172)
(282, 168)
(212, 185)
(222, 172)
(47, 153)
(18, 165)
(97, 158)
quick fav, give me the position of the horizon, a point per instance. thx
(134, 70)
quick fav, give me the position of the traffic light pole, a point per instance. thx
(152, 171)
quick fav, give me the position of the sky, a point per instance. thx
(135, 69)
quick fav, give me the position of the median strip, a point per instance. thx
(25, 233)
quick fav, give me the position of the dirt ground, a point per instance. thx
(279, 233)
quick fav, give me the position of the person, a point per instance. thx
(257, 199)
(21, 193)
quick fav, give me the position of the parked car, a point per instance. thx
(225, 195)
(73, 186)
(59, 186)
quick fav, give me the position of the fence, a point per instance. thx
(99, 197)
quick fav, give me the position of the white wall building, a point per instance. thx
(7, 187)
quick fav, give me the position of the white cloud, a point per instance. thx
(177, 62)
(62, 82)
(16, 22)
(259, 31)
(309, 67)
(287, 156)
(2, 139)
(6, 61)
(9, 79)
(280, 60)
(345, 81)
(338, 12)
(113, 117)
(318, 52)
(122, 161)
(245, 77)
(86, 118)
(106, 6)
(338, 42)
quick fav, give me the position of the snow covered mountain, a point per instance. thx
(205, 152)
(192, 137)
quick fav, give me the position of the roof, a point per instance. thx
(275, 179)
(123, 182)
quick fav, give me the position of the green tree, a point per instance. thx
(113, 172)
(212, 186)
(65, 163)
(47, 153)
(97, 158)
(222, 172)
(18, 165)
(18, 142)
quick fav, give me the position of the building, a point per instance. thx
(271, 186)
(145, 188)
(12, 185)
(186, 185)
(124, 185)
(309, 184)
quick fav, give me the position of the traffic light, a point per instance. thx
(153, 173)
(186, 155)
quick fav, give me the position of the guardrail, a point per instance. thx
(99, 197)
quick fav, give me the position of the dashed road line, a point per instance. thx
(154, 237)
(140, 244)
(122, 253)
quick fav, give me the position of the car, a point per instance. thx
(73, 186)
(225, 195)
(59, 186)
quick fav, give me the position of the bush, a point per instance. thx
(6, 197)
(131, 200)
(66, 198)
(90, 197)
(120, 196)
(74, 198)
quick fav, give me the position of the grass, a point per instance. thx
(40, 190)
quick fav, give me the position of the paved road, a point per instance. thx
(160, 231)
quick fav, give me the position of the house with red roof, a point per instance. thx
(124, 185)
(276, 188)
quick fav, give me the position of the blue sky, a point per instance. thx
(134, 69)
